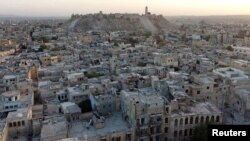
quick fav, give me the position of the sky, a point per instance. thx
(165, 7)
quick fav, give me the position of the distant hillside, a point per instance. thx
(230, 19)
(118, 22)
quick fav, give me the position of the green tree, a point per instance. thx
(44, 39)
(230, 48)
(43, 47)
(92, 74)
(141, 64)
(200, 133)
(147, 34)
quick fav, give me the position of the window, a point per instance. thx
(10, 124)
(212, 119)
(175, 133)
(186, 91)
(198, 92)
(191, 120)
(158, 129)
(128, 136)
(166, 120)
(176, 122)
(207, 119)
(191, 132)
(217, 119)
(14, 124)
(142, 121)
(202, 120)
(185, 132)
(166, 129)
(207, 88)
(23, 123)
(181, 121)
(158, 119)
(180, 133)
(18, 123)
(196, 120)
(186, 121)
(152, 130)
(167, 109)
(157, 138)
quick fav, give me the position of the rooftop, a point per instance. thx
(18, 115)
(231, 73)
(70, 107)
(113, 124)
(199, 108)
(53, 129)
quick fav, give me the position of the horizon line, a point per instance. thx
(54, 16)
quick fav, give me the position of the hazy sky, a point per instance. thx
(164, 7)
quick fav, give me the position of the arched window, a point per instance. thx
(191, 120)
(180, 133)
(181, 122)
(202, 120)
(176, 122)
(207, 119)
(212, 119)
(196, 120)
(186, 121)
(217, 119)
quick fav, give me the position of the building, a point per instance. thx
(170, 60)
(71, 111)
(145, 111)
(233, 74)
(54, 130)
(18, 124)
(241, 101)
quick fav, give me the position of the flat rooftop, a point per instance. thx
(113, 124)
(17, 115)
(53, 129)
(198, 108)
(231, 73)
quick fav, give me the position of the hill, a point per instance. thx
(118, 22)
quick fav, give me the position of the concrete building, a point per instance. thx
(241, 101)
(145, 111)
(170, 60)
(54, 130)
(77, 94)
(71, 111)
(231, 73)
(18, 124)
(103, 104)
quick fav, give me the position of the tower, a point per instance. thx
(146, 10)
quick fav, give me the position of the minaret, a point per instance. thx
(146, 10)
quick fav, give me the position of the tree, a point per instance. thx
(147, 34)
(44, 39)
(160, 41)
(93, 74)
(230, 48)
(141, 64)
(43, 47)
(200, 133)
